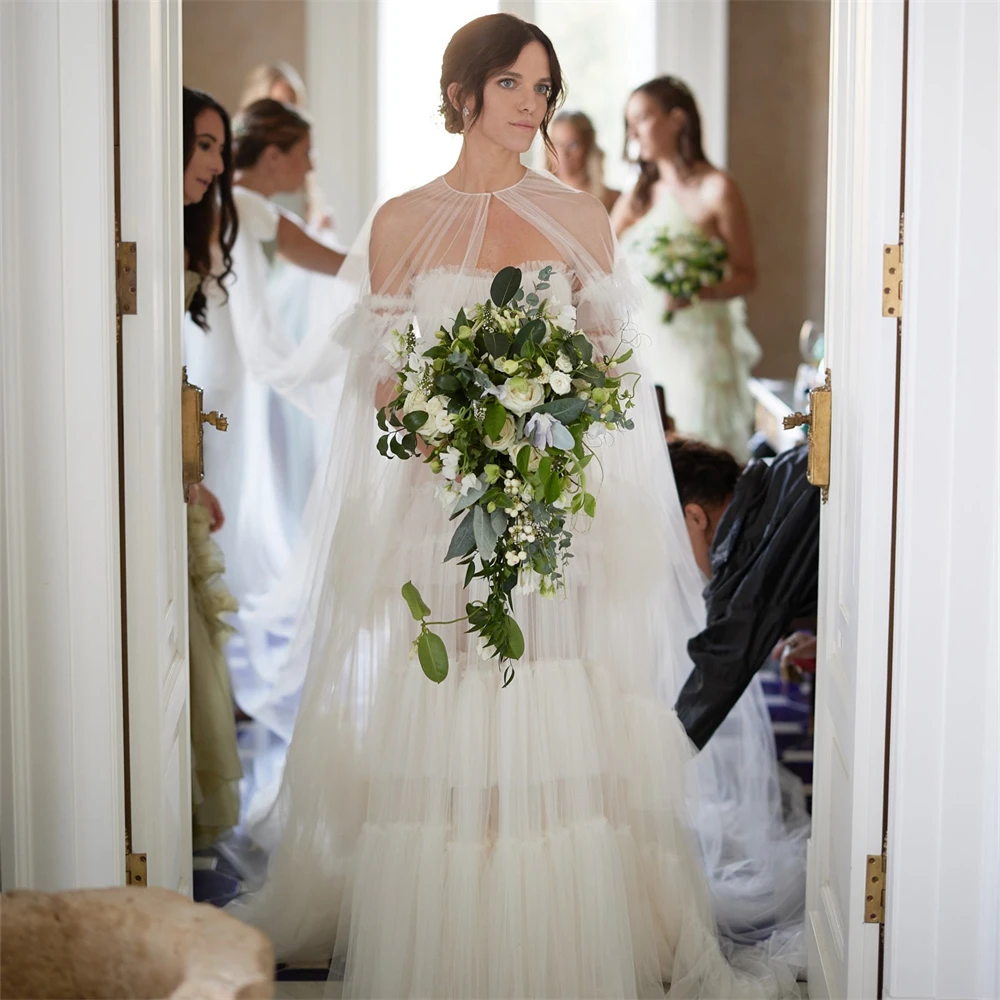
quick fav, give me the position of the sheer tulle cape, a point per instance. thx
(465, 840)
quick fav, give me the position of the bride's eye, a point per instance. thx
(506, 82)
(544, 89)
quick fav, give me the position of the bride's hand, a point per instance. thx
(204, 497)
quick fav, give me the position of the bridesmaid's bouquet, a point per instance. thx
(501, 408)
(687, 263)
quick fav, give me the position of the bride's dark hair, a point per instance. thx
(481, 50)
(215, 215)
(669, 93)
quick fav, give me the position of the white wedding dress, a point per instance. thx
(704, 356)
(464, 839)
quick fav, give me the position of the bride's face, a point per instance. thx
(515, 101)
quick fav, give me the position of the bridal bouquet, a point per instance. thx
(500, 407)
(687, 263)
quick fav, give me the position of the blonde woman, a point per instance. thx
(578, 160)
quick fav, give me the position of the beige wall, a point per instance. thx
(225, 39)
(778, 100)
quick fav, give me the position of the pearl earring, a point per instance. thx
(465, 112)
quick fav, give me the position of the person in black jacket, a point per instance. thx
(756, 535)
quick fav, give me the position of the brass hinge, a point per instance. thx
(892, 280)
(135, 869)
(125, 259)
(875, 889)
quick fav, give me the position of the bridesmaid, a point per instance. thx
(703, 357)
(578, 160)
(209, 214)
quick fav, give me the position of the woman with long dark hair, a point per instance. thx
(702, 356)
(209, 217)
(263, 466)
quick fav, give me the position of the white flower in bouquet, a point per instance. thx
(416, 400)
(506, 437)
(450, 458)
(443, 423)
(560, 382)
(467, 484)
(519, 395)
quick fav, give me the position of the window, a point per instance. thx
(606, 48)
(413, 146)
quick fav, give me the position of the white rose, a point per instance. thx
(414, 401)
(560, 383)
(442, 422)
(434, 406)
(564, 364)
(522, 394)
(506, 438)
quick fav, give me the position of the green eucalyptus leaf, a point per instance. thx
(565, 410)
(383, 445)
(447, 384)
(463, 503)
(415, 602)
(505, 286)
(463, 541)
(486, 537)
(496, 343)
(382, 425)
(433, 656)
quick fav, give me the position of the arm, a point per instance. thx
(624, 215)
(733, 223)
(296, 245)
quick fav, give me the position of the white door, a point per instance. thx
(866, 102)
(155, 519)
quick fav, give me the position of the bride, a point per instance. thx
(465, 839)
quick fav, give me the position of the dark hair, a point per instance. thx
(214, 217)
(264, 123)
(669, 93)
(482, 49)
(704, 475)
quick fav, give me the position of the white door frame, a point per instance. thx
(151, 151)
(865, 149)
(61, 777)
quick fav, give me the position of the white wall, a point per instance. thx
(341, 77)
(943, 877)
(61, 784)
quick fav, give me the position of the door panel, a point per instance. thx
(856, 543)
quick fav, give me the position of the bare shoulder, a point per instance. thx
(719, 188)
(396, 215)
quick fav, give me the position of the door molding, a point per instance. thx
(61, 777)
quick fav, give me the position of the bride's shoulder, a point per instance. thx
(403, 215)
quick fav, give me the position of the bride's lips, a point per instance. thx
(527, 126)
